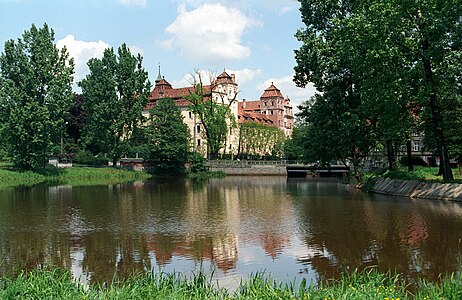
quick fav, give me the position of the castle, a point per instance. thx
(272, 109)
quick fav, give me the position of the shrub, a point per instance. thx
(197, 163)
(416, 160)
(85, 157)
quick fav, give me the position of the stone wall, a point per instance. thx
(418, 189)
(251, 170)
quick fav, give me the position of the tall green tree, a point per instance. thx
(168, 137)
(395, 52)
(114, 94)
(35, 95)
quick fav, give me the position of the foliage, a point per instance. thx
(416, 161)
(196, 163)
(35, 94)
(114, 95)
(168, 137)
(369, 284)
(351, 48)
(85, 157)
(260, 140)
(420, 173)
(215, 115)
(293, 146)
(74, 123)
(335, 129)
(70, 176)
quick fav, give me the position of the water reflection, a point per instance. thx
(232, 227)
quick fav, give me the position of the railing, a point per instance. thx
(249, 163)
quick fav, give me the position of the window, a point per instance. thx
(416, 146)
(198, 142)
(198, 128)
(190, 115)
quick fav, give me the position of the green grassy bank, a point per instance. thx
(422, 174)
(71, 176)
(56, 284)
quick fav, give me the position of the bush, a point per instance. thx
(416, 160)
(197, 163)
(85, 157)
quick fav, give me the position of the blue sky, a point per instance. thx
(253, 39)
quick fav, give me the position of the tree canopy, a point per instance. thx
(35, 95)
(393, 65)
(215, 115)
(114, 95)
(168, 137)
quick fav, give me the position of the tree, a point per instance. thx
(260, 140)
(35, 95)
(215, 115)
(293, 146)
(169, 138)
(409, 45)
(114, 94)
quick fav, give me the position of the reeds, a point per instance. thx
(369, 284)
(70, 176)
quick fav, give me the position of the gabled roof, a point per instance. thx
(250, 105)
(163, 89)
(255, 117)
(252, 115)
(225, 78)
(271, 92)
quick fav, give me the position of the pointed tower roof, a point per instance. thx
(271, 92)
(159, 76)
(225, 78)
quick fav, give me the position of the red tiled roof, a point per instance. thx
(163, 89)
(250, 105)
(251, 113)
(255, 117)
(272, 92)
(224, 78)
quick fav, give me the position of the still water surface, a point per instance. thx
(231, 227)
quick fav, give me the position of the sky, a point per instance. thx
(253, 39)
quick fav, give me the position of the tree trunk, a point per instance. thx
(391, 155)
(410, 162)
(436, 117)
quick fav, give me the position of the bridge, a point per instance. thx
(302, 170)
(279, 167)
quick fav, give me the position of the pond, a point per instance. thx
(231, 227)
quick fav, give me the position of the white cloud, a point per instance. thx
(244, 75)
(286, 9)
(82, 51)
(289, 89)
(211, 33)
(134, 2)
(135, 50)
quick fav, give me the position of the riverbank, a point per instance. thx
(70, 176)
(57, 284)
(418, 189)
(421, 183)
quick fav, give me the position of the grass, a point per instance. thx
(369, 284)
(71, 176)
(422, 174)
